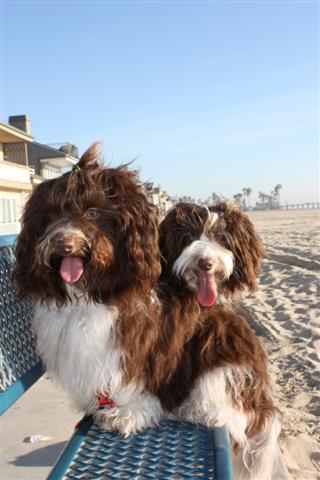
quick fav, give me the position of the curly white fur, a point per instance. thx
(77, 345)
(187, 262)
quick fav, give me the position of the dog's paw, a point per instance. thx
(103, 420)
(141, 412)
(122, 420)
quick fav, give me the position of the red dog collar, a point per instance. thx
(103, 402)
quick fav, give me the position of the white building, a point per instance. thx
(15, 181)
(23, 164)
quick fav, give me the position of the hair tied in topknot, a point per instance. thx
(90, 160)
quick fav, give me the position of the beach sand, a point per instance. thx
(285, 314)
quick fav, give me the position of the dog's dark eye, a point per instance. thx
(222, 238)
(188, 239)
(91, 213)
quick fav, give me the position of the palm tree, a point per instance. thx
(271, 199)
(263, 199)
(246, 193)
(249, 191)
(277, 189)
(237, 198)
(215, 198)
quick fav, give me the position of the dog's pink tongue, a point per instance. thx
(71, 269)
(207, 290)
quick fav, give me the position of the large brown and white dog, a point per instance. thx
(88, 253)
(220, 376)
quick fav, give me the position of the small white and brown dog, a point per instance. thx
(220, 376)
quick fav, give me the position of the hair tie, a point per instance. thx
(76, 168)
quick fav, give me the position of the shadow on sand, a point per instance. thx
(42, 457)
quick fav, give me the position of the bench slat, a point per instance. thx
(19, 387)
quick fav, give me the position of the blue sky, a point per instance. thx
(210, 96)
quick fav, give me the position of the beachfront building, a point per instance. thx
(159, 197)
(25, 163)
(15, 181)
(163, 201)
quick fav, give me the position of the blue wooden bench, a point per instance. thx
(172, 450)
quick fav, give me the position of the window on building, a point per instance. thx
(8, 210)
(15, 153)
(50, 173)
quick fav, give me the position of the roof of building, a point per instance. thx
(10, 134)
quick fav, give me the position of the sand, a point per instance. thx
(284, 313)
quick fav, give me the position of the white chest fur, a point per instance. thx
(76, 344)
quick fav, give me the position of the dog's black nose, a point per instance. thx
(66, 245)
(205, 264)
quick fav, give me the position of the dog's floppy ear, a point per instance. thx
(141, 251)
(91, 159)
(236, 232)
(29, 276)
(136, 241)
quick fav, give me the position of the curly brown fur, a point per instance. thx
(234, 231)
(222, 339)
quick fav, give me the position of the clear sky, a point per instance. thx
(211, 96)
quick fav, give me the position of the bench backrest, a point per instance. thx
(20, 366)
